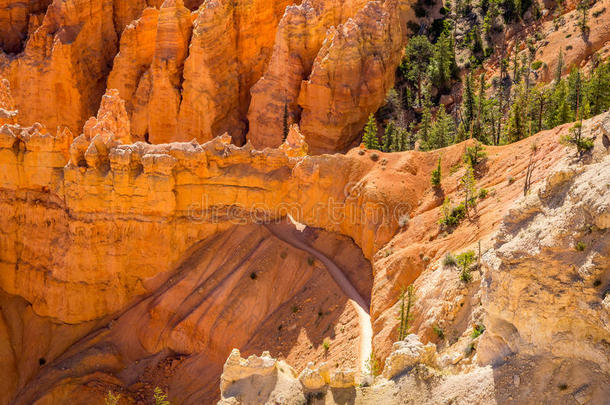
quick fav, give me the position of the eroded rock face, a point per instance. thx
(17, 19)
(547, 275)
(58, 80)
(351, 74)
(408, 353)
(196, 70)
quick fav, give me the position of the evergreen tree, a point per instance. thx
(418, 53)
(583, 9)
(436, 174)
(424, 128)
(559, 68)
(389, 135)
(469, 186)
(477, 131)
(596, 89)
(443, 130)
(575, 92)
(370, 134)
(441, 64)
(468, 103)
(517, 121)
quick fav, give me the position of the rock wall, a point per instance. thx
(196, 70)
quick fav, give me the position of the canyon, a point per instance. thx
(185, 204)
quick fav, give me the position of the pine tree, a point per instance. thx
(418, 53)
(407, 300)
(468, 103)
(389, 135)
(597, 86)
(575, 91)
(443, 130)
(559, 68)
(477, 131)
(469, 186)
(424, 129)
(440, 66)
(370, 134)
(517, 121)
(436, 174)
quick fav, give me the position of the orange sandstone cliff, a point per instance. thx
(157, 230)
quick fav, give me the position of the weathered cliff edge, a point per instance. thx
(125, 266)
(541, 300)
(198, 69)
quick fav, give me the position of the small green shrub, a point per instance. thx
(160, 397)
(477, 331)
(295, 309)
(464, 261)
(326, 345)
(311, 261)
(452, 216)
(597, 283)
(576, 138)
(436, 175)
(372, 365)
(483, 193)
(562, 387)
(580, 246)
(283, 255)
(537, 65)
(112, 399)
(475, 154)
(253, 276)
(465, 276)
(510, 179)
(374, 157)
(439, 332)
(449, 260)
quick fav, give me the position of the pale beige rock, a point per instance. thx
(408, 353)
(342, 378)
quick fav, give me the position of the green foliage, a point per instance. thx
(474, 154)
(583, 10)
(477, 331)
(465, 261)
(407, 300)
(160, 397)
(468, 104)
(442, 131)
(372, 365)
(575, 138)
(112, 398)
(517, 128)
(253, 276)
(581, 246)
(326, 345)
(415, 63)
(439, 332)
(483, 193)
(436, 174)
(311, 260)
(468, 184)
(452, 216)
(449, 260)
(294, 309)
(389, 136)
(370, 134)
(537, 65)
